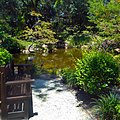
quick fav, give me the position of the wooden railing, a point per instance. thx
(15, 92)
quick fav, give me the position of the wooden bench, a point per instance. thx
(15, 94)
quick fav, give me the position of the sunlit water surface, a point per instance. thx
(59, 59)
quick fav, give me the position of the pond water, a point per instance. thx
(61, 58)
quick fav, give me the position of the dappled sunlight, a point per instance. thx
(43, 87)
(52, 99)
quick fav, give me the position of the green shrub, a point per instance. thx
(11, 44)
(96, 72)
(5, 56)
(69, 76)
(108, 107)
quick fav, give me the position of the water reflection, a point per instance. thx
(61, 58)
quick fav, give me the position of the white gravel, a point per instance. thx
(53, 101)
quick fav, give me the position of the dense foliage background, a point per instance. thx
(71, 21)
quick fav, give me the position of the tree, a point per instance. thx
(8, 14)
(105, 15)
(40, 33)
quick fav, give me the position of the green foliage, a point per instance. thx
(69, 76)
(117, 107)
(70, 19)
(105, 15)
(40, 33)
(5, 57)
(4, 26)
(96, 72)
(10, 43)
(73, 11)
(73, 37)
(117, 57)
(57, 3)
(11, 15)
(16, 14)
(24, 43)
(108, 107)
(64, 15)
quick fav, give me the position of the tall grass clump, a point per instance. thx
(107, 107)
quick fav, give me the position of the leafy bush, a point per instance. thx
(68, 76)
(96, 72)
(74, 37)
(108, 107)
(10, 43)
(5, 56)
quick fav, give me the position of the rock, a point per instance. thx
(117, 50)
(109, 45)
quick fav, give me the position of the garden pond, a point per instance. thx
(61, 58)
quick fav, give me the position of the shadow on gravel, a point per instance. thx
(46, 83)
(43, 96)
(85, 99)
(47, 77)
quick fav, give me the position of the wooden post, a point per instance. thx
(0, 92)
(3, 96)
(12, 67)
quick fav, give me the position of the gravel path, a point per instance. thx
(53, 101)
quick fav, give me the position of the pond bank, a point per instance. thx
(53, 100)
